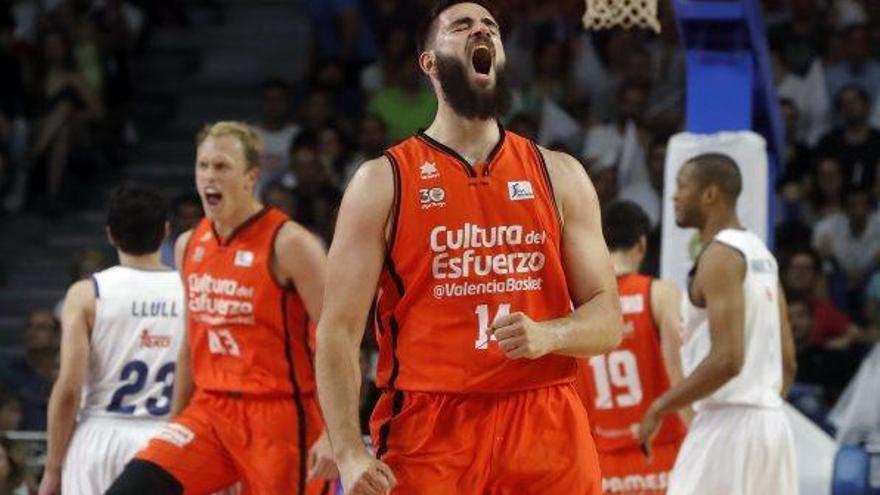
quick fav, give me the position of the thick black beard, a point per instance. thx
(466, 101)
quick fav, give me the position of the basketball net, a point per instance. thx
(606, 14)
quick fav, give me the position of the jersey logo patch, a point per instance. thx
(198, 254)
(632, 304)
(433, 197)
(205, 237)
(176, 434)
(429, 171)
(244, 258)
(149, 340)
(519, 190)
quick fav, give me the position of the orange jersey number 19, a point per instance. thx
(616, 377)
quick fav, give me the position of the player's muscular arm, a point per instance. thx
(77, 318)
(183, 379)
(596, 324)
(666, 308)
(789, 355)
(718, 282)
(300, 262)
(354, 265)
(665, 304)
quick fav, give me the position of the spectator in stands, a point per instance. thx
(118, 27)
(68, 106)
(857, 69)
(12, 97)
(397, 48)
(604, 142)
(316, 196)
(855, 143)
(279, 196)
(371, 140)
(406, 105)
(796, 152)
(337, 78)
(802, 279)
(186, 212)
(333, 152)
(276, 129)
(12, 470)
(831, 365)
(317, 110)
(31, 374)
(851, 239)
(550, 78)
(10, 410)
(826, 190)
(524, 124)
(340, 31)
(803, 38)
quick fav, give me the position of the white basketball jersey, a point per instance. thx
(760, 381)
(139, 322)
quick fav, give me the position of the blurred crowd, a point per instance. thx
(66, 88)
(611, 99)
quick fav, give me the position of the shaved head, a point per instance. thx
(719, 170)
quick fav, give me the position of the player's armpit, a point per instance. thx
(299, 260)
(354, 264)
(596, 324)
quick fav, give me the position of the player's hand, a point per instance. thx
(51, 483)
(363, 474)
(321, 463)
(647, 430)
(519, 336)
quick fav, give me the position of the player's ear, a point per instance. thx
(109, 236)
(643, 245)
(428, 62)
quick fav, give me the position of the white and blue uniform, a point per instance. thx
(139, 324)
(740, 441)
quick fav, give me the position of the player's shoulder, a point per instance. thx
(183, 240)
(292, 237)
(372, 188)
(561, 163)
(721, 260)
(81, 294)
(373, 172)
(569, 179)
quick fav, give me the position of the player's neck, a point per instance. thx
(624, 263)
(473, 139)
(227, 225)
(151, 261)
(717, 222)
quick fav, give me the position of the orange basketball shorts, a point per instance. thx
(220, 439)
(628, 472)
(535, 441)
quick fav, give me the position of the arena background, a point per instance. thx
(334, 82)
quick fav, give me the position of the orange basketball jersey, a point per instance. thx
(620, 386)
(468, 243)
(246, 333)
